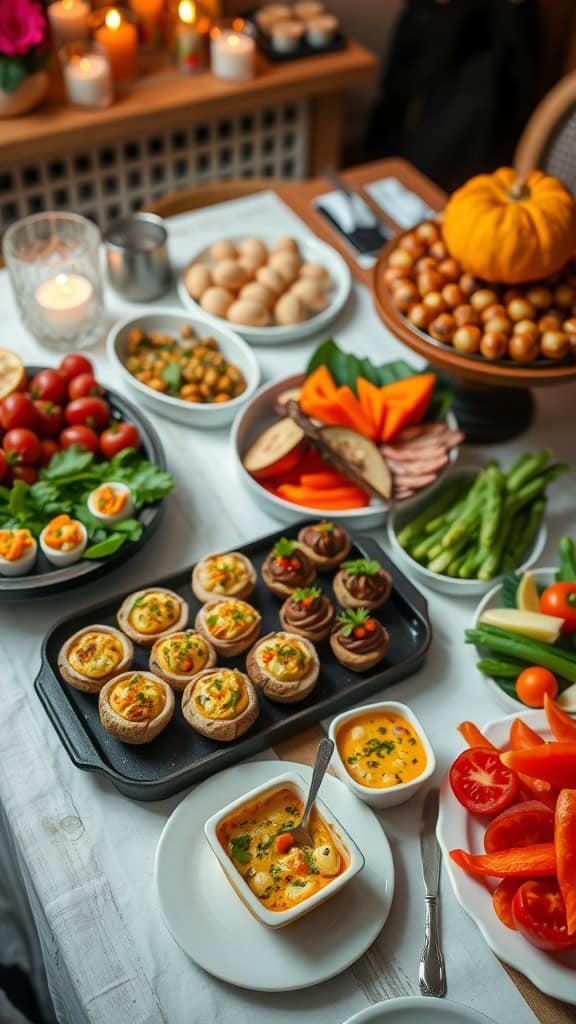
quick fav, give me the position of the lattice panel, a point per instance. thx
(109, 180)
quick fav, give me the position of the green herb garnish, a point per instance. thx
(304, 592)
(240, 849)
(285, 548)
(362, 567)
(351, 618)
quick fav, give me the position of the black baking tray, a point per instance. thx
(304, 49)
(179, 756)
(46, 579)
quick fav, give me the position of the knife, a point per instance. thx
(362, 215)
(432, 974)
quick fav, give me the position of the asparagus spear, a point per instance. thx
(515, 479)
(492, 506)
(444, 501)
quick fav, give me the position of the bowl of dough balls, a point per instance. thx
(269, 289)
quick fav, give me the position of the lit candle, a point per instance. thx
(191, 37)
(232, 53)
(65, 300)
(120, 38)
(89, 80)
(69, 20)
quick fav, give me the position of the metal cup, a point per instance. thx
(137, 257)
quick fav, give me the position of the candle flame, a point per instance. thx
(187, 11)
(62, 280)
(67, 4)
(233, 40)
(113, 19)
(85, 64)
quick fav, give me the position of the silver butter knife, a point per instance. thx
(432, 973)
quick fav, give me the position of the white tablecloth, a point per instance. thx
(86, 852)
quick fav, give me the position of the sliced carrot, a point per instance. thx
(322, 481)
(406, 402)
(358, 417)
(282, 465)
(284, 842)
(473, 736)
(320, 383)
(562, 726)
(395, 418)
(342, 498)
(371, 400)
(522, 736)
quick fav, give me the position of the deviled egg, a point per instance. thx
(63, 540)
(17, 552)
(111, 502)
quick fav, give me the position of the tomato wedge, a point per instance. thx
(562, 726)
(540, 915)
(481, 783)
(502, 900)
(553, 762)
(521, 825)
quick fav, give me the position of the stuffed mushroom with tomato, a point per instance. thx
(179, 656)
(287, 568)
(309, 613)
(135, 706)
(358, 640)
(147, 615)
(362, 583)
(230, 626)
(93, 655)
(220, 703)
(325, 543)
(223, 575)
(284, 666)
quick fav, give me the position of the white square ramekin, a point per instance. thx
(344, 842)
(386, 796)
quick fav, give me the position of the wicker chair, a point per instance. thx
(549, 139)
(196, 196)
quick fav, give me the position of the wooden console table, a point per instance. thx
(171, 130)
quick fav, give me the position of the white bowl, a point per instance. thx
(387, 796)
(64, 558)
(545, 577)
(401, 515)
(312, 251)
(260, 414)
(193, 414)
(278, 919)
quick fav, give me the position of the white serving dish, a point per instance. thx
(402, 514)
(389, 796)
(206, 919)
(312, 251)
(259, 414)
(419, 1010)
(544, 577)
(344, 842)
(169, 321)
(553, 974)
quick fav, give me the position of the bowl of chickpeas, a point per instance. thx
(183, 367)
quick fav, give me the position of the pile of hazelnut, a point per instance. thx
(525, 322)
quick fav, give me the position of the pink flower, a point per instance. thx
(22, 26)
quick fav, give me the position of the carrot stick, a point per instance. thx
(565, 843)
(322, 481)
(473, 736)
(358, 417)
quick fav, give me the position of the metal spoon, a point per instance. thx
(299, 833)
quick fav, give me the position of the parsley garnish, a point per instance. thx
(284, 548)
(362, 567)
(240, 849)
(351, 618)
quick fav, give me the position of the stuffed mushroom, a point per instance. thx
(135, 706)
(93, 655)
(325, 543)
(223, 575)
(147, 615)
(284, 666)
(287, 568)
(358, 640)
(179, 656)
(362, 583)
(230, 626)
(309, 613)
(220, 703)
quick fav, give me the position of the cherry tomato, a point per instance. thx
(502, 900)
(48, 448)
(117, 437)
(80, 435)
(83, 386)
(3, 465)
(520, 825)
(533, 683)
(481, 783)
(49, 385)
(49, 418)
(23, 443)
(90, 412)
(540, 915)
(22, 472)
(560, 600)
(17, 410)
(73, 364)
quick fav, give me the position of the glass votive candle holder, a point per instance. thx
(189, 34)
(69, 20)
(137, 257)
(233, 50)
(53, 263)
(114, 29)
(87, 75)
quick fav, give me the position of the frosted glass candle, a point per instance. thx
(65, 299)
(191, 37)
(232, 51)
(118, 35)
(87, 76)
(69, 20)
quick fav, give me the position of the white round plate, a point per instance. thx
(554, 974)
(169, 321)
(313, 251)
(413, 1010)
(211, 924)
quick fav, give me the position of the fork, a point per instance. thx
(300, 834)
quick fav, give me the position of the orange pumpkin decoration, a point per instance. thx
(508, 229)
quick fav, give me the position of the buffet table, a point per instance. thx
(85, 854)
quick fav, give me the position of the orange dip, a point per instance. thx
(380, 749)
(14, 543)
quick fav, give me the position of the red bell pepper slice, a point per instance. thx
(537, 861)
(522, 737)
(553, 762)
(562, 726)
(473, 736)
(565, 843)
